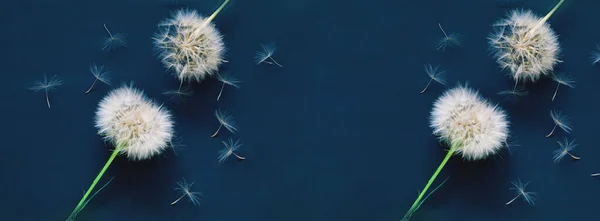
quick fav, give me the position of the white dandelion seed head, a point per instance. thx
(527, 54)
(127, 117)
(462, 117)
(190, 45)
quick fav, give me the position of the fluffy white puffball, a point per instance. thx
(461, 116)
(190, 45)
(527, 54)
(126, 116)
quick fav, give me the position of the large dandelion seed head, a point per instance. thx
(127, 118)
(190, 45)
(462, 117)
(525, 45)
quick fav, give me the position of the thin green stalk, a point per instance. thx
(418, 202)
(83, 202)
(214, 14)
(543, 20)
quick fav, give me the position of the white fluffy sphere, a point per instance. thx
(125, 116)
(190, 45)
(527, 54)
(461, 116)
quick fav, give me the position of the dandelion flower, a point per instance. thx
(229, 149)
(434, 75)
(227, 80)
(519, 188)
(184, 189)
(114, 41)
(225, 120)
(564, 80)
(47, 85)
(266, 54)
(474, 129)
(448, 40)
(560, 120)
(565, 148)
(190, 45)
(596, 55)
(99, 75)
(134, 124)
(525, 45)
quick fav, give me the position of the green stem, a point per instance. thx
(543, 20)
(82, 202)
(214, 14)
(416, 204)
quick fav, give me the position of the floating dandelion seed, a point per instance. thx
(229, 149)
(229, 80)
(595, 174)
(184, 189)
(519, 188)
(190, 45)
(180, 94)
(515, 92)
(565, 148)
(99, 75)
(267, 53)
(225, 120)
(434, 75)
(473, 128)
(564, 80)
(561, 121)
(114, 41)
(525, 45)
(596, 55)
(47, 85)
(135, 125)
(448, 40)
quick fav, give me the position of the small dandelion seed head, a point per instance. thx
(527, 54)
(190, 45)
(461, 116)
(126, 117)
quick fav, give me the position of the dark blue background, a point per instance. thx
(340, 133)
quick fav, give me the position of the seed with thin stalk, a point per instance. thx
(99, 74)
(113, 41)
(225, 120)
(561, 121)
(564, 150)
(229, 80)
(434, 75)
(519, 188)
(180, 94)
(266, 55)
(515, 92)
(184, 189)
(229, 149)
(595, 57)
(47, 85)
(564, 80)
(447, 40)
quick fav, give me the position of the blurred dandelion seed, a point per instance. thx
(229, 149)
(114, 41)
(100, 75)
(595, 174)
(519, 188)
(225, 120)
(561, 121)
(448, 40)
(515, 92)
(564, 80)
(596, 55)
(184, 189)
(47, 85)
(565, 149)
(229, 80)
(434, 75)
(180, 94)
(267, 53)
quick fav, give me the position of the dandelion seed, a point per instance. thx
(266, 54)
(184, 189)
(229, 80)
(564, 80)
(229, 149)
(561, 121)
(226, 121)
(565, 148)
(519, 188)
(515, 92)
(47, 85)
(99, 75)
(595, 57)
(447, 40)
(434, 75)
(595, 174)
(114, 41)
(180, 94)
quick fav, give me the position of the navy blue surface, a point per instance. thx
(340, 133)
